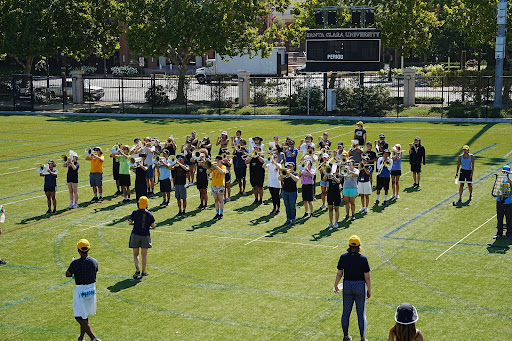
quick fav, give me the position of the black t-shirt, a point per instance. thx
(354, 265)
(359, 135)
(372, 156)
(323, 143)
(334, 187)
(142, 220)
(180, 176)
(170, 148)
(256, 168)
(84, 270)
(201, 173)
(290, 185)
(279, 148)
(363, 177)
(115, 164)
(383, 145)
(72, 175)
(140, 175)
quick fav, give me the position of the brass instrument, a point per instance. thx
(238, 146)
(268, 160)
(310, 152)
(270, 149)
(224, 155)
(387, 163)
(134, 162)
(156, 158)
(64, 159)
(172, 160)
(116, 148)
(344, 172)
(255, 153)
(328, 170)
(284, 173)
(43, 169)
(324, 150)
(344, 159)
(360, 166)
(301, 166)
(170, 139)
(197, 155)
(88, 152)
(208, 164)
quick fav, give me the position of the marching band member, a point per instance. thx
(274, 185)
(290, 192)
(372, 158)
(256, 142)
(257, 174)
(72, 180)
(416, 157)
(180, 179)
(115, 172)
(158, 151)
(171, 146)
(218, 173)
(193, 139)
(324, 142)
(350, 189)
(240, 166)
(364, 186)
(338, 153)
(307, 143)
(50, 186)
(355, 152)
(236, 139)
(384, 164)
(137, 148)
(150, 174)
(381, 145)
(333, 196)
(324, 183)
(227, 162)
(164, 178)
(360, 133)
(306, 179)
(124, 172)
(141, 188)
(309, 154)
(206, 144)
(504, 205)
(187, 149)
(278, 151)
(96, 174)
(202, 180)
(466, 163)
(223, 142)
(290, 151)
(396, 171)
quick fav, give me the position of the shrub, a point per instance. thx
(316, 102)
(87, 70)
(123, 71)
(372, 101)
(157, 96)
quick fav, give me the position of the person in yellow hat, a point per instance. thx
(354, 269)
(140, 238)
(84, 297)
(466, 164)
(360, 133)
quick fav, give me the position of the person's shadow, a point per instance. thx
(500, 245)
(124, 284)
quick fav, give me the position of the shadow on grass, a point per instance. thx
(248, 208)
(203, 225)
(261, 220)
(124, 284)
(411, 189)
(500, 245)
(328, 231)
(461, 204)
(379, 208)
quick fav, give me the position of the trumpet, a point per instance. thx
(134, 162)
(270, 149)
(360, 166)
(170, 139)
(324, 150)
(268, 160)
(64, 159)
(208, 164)
(387, 163)
(197, 155)
(284, 173)
(344, 172)
(310, 152)
(224, 155)
(344, 159)
(255, 153)
(394, 153)
(238, 146)
(160, 161)
(172, 160)
(156, 158)
(328, 170)
(88, 151)
(116, 148)
(302, 166)
(43, 169)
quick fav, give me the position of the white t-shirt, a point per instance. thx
(306, 145)
(273, 176)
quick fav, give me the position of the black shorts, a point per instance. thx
(382, 183)
(202, 183)
(125, 180)
(333, 199)
(465, 177)
(165, 185)
(416, 167)
(396, 172)
(115, 173)
(240, 172)
(257, 180)
(307, 192)
(227, 177)
(49, 189)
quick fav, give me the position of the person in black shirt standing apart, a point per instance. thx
(354, 269)
(360, 133)
(140, 239)
(416, 157)
(50, 186)
(84, 297)
(72, 179)
(324, 142)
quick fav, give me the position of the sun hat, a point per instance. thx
(143, 202)
(406, 314)
(381, 135)
(325, 155)
(386, 151)
(466, 147)
(360, 123)
(506, 168)
(83, 245)
(224, 133)
(340, 144)
(354, 240)
(289, 164)
(50, 161)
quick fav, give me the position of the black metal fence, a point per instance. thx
(355, 94)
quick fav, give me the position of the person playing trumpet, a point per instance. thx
(372, 158)
(187, 150)
(364, 186)
(384, 165)
(140, 169)
(180, 179)
(227, 161)
(306, 178)
(164, 178)
(115, 167)
(50, 186)
(324, 142)
(274, 185)
(257, 174)
(356, 152)
(381, 145)
(236, 139)
(350, 189)
(324, 184)
(289, 192)
(218, 172)
(334, 180)
(122, 157)
(202, 180)
(223, 142)
(72, 180)
(338, 153)
(96, 174)
(206, 144)
(290, 151)
(240, 166)
(396, 170)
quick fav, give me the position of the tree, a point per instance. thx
(182, 29)
(77, 28)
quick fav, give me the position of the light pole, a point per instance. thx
(500, 53)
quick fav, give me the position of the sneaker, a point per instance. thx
(144, 274)
(151, 194)
(376, 202)
(183, 214)
(311, 215)
(418, 186)
(366, 210)
(361, 210)
(200, 207)
(330, 225)
(385, 202)
(70, 206)
(470, 197)
(178, 214)
(353, 217)
(397, 197)
(287, 222)
(100, 199)
(255, 202)
(118, 192)
(392, 197)
(136, 274)
(459, 201)
(276, 212)
(414, 185)
(54, 211)
(220, 216)
(3, 262)
(166, 203)
(335, 225)
(272, 212)
(94, 199)
(49, 211)
(260, 202)
(305, 215)
(322, 207)
(216, 217)
(497, 236)
(347, 338)
(346, 217)
(163, 203)
(228, 200)
(292, 222)
(75, 206)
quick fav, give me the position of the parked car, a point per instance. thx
(299, 70)
(91, 92)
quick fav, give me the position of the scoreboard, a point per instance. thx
(343, 50)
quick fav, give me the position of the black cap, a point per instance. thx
(406, 314)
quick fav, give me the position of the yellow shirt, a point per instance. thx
(218, 178)
(97, 165)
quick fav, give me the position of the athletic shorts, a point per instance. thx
(137, 241)
(465, 177)
(218, 190)
(189, 163)
(257, 181)
(202, 183)
(165, 185)
(180, 192)
(350, 192)
(307, 192)
(84, 300)
(396, 172)
(150, 173)
(240, 172)
(416, 167)
(382, 183)
(324, 183)
(333, 199)
(115, 173)
(125, 180)
(364, 187)
(227, 178)
(96, 179)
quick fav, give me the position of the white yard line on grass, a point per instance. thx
(488, 220)
(22, 170)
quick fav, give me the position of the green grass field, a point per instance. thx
(207, 283)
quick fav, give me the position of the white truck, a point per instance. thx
(273, 65)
